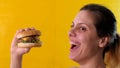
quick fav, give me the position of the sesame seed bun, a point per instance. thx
(28, 33)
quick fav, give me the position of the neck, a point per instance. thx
(93, 62)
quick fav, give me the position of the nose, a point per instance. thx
(72, 33)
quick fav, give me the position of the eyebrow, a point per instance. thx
(81, 23)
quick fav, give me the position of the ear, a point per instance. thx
(103, 41)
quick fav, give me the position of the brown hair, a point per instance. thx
(106, 27)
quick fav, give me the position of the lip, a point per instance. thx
(75, 48)
(74, 45)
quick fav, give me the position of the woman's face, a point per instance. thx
(83, 37)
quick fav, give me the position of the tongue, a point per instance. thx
(73, 46)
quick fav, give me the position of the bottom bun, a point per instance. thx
(29, 45)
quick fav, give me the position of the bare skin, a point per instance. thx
(89, 47)
(17, 53)
(83, 34)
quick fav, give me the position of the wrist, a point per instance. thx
(16, 61)
(16, 56)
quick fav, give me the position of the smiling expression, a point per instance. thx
(83, 37)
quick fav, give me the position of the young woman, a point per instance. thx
(93, 39)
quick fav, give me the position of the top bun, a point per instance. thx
(28, 33)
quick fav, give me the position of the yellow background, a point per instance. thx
(53, 18)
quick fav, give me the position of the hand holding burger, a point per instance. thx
(21, 44)
(24, 39)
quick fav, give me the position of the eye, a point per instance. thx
(82, 28)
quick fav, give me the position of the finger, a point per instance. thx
(18, 31)
(33, 28)
(30, 28)
(21, 30)
(27, 29)
(15, 40)
(26, 50)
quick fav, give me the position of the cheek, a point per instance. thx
(87, 48)
(84, 39)
(88, 38)
(88, 43)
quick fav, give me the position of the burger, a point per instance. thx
(28, 39)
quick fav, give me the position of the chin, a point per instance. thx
(77, 59)
(74, 58)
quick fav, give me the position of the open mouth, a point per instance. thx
(73, 46)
